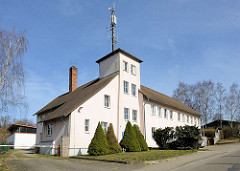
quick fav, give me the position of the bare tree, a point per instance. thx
(12, 48)
(232, 102)
(220, 97)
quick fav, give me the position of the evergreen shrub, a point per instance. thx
(140, 138)
(129, 141)
(114, 147)
(98, 145)
(163, 137)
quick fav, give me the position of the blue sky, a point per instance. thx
(178, 40)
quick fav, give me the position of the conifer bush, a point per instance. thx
(114, 147)
(140, 138)
(98, 145)
(129, 141)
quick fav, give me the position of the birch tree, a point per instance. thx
(12, 48)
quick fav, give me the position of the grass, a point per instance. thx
(3, 167)
(227, 141)
(141, 156)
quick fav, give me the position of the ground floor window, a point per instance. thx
(86, 125)
(49, 130)
(104, 126)
(153, 130)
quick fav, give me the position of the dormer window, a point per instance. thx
(125, 66)
(133, 70)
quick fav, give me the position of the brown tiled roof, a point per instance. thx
(66, 103)
(166, 100)
(123, 52)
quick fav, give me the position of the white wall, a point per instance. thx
(94, 110)
(23, 139)
(161, 122)
(127, 100)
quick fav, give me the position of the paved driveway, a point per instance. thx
(224, 157)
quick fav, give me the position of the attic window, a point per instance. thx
(125, 66)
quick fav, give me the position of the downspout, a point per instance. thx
(144, 113)
(65, 124)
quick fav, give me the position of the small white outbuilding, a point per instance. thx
(22, 136)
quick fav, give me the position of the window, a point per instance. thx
(134, 115)
(171, 114)
(195, 120)
(187, 119)
(133, 89)
(133, 70)
(153, 130)
(125, 66)
(86, 125)
(106, 101)
(125, 87)
(191, 120)
(104, 126)
(49, 130)
(126, 113)
(159, 111)
(179, 116)
(183, 117)
(153, 109)
(165, 113)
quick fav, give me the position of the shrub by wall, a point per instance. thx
(129, 141)
(114, 147)
(163, 137)
(98, 145)
(140, 138)
(186, 137)
(227, 132)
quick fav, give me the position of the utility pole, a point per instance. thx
(113, 25)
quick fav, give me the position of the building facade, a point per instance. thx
(116, 97)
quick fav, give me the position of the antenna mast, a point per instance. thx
(113, 25)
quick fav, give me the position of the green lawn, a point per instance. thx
(141, 156)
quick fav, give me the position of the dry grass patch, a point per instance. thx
(227, 141)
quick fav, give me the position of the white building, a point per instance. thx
(22, 136)
(115, 97)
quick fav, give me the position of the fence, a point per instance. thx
(4, 148)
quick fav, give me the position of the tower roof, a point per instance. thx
(121, 51)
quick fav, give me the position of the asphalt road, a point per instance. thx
(219, 158)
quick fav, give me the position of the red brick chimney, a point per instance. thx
(72, 79)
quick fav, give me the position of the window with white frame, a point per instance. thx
(159, 111)
(153, 109)
(126, 113)
(165, 113)
(183, 118)
(125, 87)
(195, 120)
(106, 101)
(104, 126)
(171, 114)
(191, 120)
(49, 130)
(133, 69)
(125, 66)
(134, 115)
(86, 125)
(153, 130)
(179, 116)
(133, 89)
(187, 119)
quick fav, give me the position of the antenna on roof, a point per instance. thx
(113, 25)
